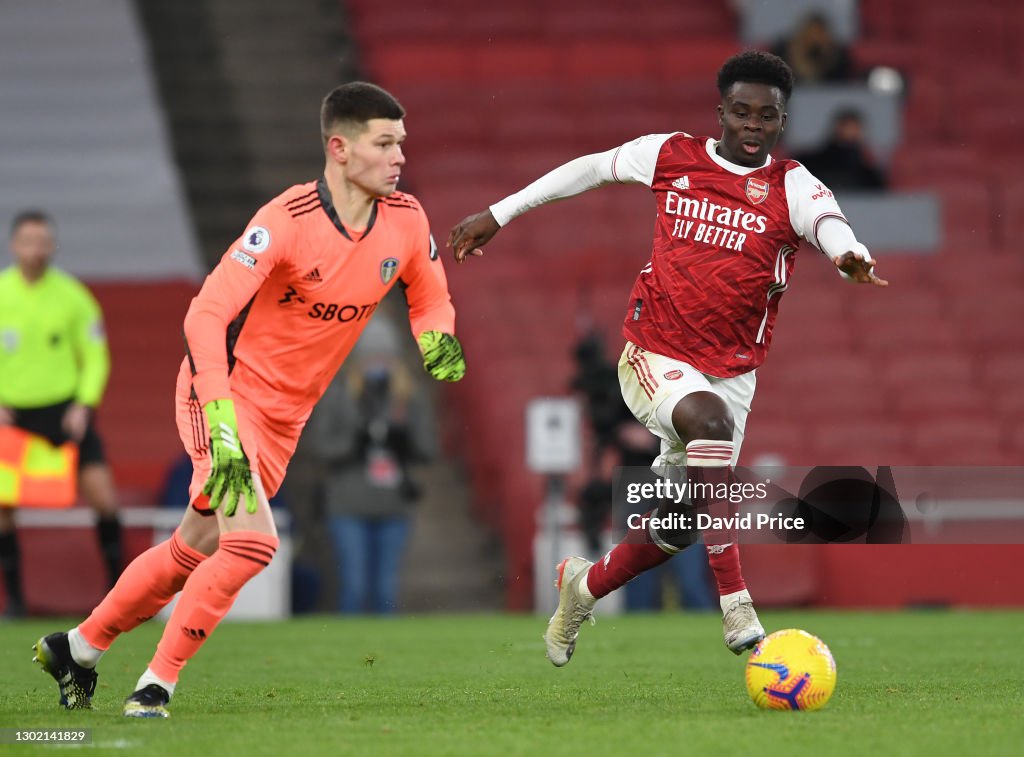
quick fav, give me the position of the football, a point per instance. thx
(791, 670)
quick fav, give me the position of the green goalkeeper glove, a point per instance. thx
(442, 356)
(229, 475)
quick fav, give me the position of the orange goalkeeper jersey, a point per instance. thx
(278, 315)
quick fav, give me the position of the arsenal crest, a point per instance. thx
(757, 190)
(387, 269)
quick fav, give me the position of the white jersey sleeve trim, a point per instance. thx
(632, 162)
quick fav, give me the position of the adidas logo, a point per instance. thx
(683, 182)
(196, 634)
(313, 275)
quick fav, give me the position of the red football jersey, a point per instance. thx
(723, 252)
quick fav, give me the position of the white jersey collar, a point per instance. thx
(710, 146)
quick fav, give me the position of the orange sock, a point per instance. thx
(208, 595)
(149, 583)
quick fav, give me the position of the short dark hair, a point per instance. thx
(30, 216)
(351, 105)
(756, 67)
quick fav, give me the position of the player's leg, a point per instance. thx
(247, 544)
(10, 564)
(651, 385)
(96, 484)
(148, 583)
(645, 383)
(739, 620)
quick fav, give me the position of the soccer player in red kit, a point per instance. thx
(701, 312)
(264, 337)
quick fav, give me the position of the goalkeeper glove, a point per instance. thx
(442, 356)
(229, 474)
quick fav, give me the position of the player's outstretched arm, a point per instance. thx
(567, 180)
(859, 270)
(471, 234)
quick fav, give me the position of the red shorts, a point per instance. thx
(268, 445)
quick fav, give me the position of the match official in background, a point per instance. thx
(54, 365)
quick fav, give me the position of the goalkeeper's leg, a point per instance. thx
(248, 542)
(145, 587)
(150, 581)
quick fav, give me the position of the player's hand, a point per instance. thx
(471, 234)
(6, 416)
(859, 270)
(442, 356)
(75, 421)
(230, 476)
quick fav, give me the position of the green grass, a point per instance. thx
(928, 683)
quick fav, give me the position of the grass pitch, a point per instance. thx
(908, 683)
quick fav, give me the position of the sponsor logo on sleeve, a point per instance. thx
(256, 239)
(757, 190)
(820, 191)
(388, 268)
(247, 260)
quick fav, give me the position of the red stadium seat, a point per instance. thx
(918, 370)
(863, 433)
(826, 369)
(1003, 371)
(915, 403)
(501, 61)
(973, 441)
(885, 338)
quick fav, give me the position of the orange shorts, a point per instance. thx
(268, 445)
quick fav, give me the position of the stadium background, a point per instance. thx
(154, 130)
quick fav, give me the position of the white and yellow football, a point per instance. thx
(791, 670)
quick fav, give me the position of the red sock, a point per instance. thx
(725, 563)
(146, 586)
(627, 560)
(208, 595)
(707, 462)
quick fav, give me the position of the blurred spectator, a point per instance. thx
(368, 429)
(54, 365)
(814, 53)
(843, 162)
(597, 380)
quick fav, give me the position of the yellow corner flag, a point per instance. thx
(34, 473)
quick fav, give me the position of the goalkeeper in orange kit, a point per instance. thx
(264, 337)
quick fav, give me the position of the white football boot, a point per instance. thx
(573, 609)
(739, 622)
